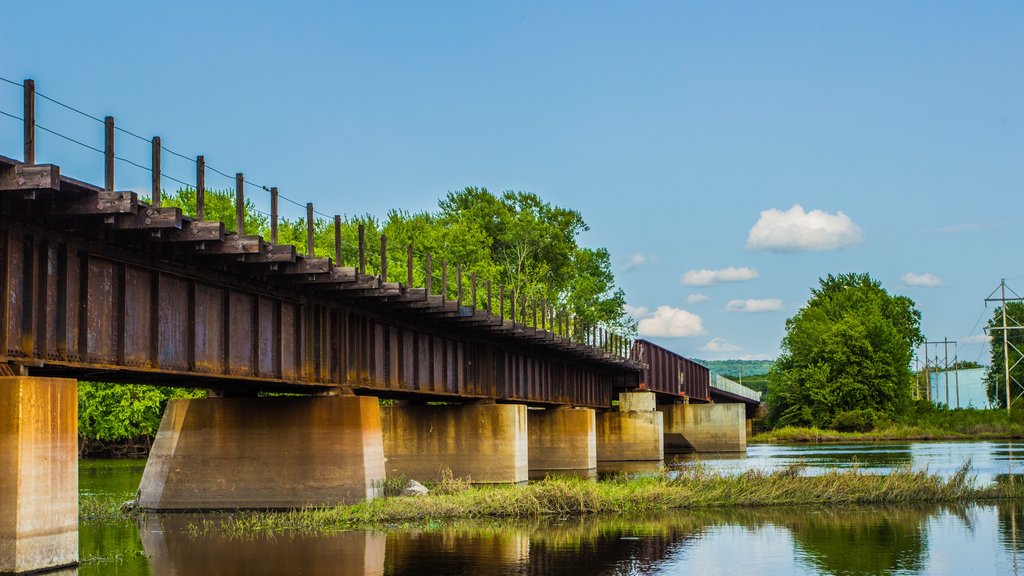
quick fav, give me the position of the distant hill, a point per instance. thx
(732, 369)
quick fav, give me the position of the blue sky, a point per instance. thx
(686, 133)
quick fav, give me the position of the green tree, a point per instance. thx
(995, 377)
(849, 348)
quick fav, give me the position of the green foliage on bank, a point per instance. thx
(688, 488)
(848, 349)
(922, 421)
(115, 413)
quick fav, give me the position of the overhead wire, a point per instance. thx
(163, 148)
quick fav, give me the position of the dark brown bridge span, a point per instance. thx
(101, 285)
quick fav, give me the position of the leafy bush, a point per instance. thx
(855, 421)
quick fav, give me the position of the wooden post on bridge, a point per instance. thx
(30, 122)
(501, 302)
(490, 309)
(383, 258)
(155, 170)
(458, 289)
(108, 153)
(337, 239)
(310, 231)
(200, 188)
(362, 249)
(543, 314)
(273, 215)
(239, 204)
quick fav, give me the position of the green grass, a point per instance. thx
(105, 508)
(690, 488)
(925, 422)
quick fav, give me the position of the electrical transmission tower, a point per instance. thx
(943, 365)
(1009, 323)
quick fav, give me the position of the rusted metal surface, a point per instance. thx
(668, 373)
(89, 308)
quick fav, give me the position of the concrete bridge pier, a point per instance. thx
(562, 438)
(38, 473)
(485, 442)
(705, 427)
(277, 452)
(634, 433)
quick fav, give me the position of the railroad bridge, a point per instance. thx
(104, 285)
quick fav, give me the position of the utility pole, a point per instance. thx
(1002, 288)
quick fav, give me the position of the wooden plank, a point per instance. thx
(233, 244)
(271, 254)
(98, 203)
(149, 219)
(29, 177)
(195, 231)
(306, 266)
(335, 276)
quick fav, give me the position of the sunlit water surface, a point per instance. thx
(977, 539)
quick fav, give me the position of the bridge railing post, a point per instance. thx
(273, 215)
(239, 204)
(383, 258)
(310, 231)
(362, 249)
(337, 240)
(108, 153)
(200, 188)
(155, 170)
(458, 289)
(30, 121)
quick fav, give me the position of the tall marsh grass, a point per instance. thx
(694, 487)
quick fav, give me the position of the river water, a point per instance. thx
(977, 539)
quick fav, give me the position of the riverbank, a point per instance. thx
(690, 488)
(801, 435)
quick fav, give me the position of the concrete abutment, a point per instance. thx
(485, 442)
(562, 439)
(38, 473)
(277, 452)
(634, 433)
(705, 427)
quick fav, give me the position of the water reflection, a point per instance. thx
(988, 459)
(977, 539)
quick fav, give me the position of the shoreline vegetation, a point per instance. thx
(689, 488)
(922, 423)
(899, 433)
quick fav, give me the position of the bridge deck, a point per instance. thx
(102, 285)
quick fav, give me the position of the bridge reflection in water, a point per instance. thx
(868, 540)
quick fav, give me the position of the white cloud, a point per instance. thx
(718, 346)
(922, 280)
(669, 322)
(637, 260)
(705, 277)
(796, 231)
(978, 338)
(754, 305)
(697, 298)
(636, 311)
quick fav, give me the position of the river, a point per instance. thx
(977, 539)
